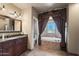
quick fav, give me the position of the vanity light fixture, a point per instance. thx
(15, 14)
(3, 7)
(19, 15)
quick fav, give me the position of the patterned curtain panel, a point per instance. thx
(43, 19)
(60, 19)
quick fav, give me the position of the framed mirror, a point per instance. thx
(8, 24)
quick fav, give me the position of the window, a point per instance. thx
(51, 27)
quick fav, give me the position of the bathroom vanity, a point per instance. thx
(13, 46)
(12, 41)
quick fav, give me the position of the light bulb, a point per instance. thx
(15, 14)
(3, 7)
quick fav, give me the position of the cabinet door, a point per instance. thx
(18, 46)
(25, 43)
(5, 48)
(12, 48)
(0, 49)
(9, 48)
(21, 45)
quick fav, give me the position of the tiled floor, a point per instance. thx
(47, 49)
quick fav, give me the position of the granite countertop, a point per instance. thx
(11, 38)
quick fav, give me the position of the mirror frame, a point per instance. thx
(11, 19)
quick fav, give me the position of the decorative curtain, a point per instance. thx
(43, 19)
(60, 19)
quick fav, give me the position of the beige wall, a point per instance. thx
(73, 28)
(27, 25)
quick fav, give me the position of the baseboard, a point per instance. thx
(29, 49)
(72, 54)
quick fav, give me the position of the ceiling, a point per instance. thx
(42, 7)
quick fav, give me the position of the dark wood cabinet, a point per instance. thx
(8, 47)
(13, 47)
(0, 49)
